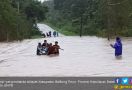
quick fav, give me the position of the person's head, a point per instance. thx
(45, 41)
(118, 39)
(56, 43)
(39, 44)
(50, 44)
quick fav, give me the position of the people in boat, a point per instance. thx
(117, 46)
(56, 48)
(45, 46)
(39, 49)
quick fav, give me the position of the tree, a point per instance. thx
(15, 23)
(99, 17)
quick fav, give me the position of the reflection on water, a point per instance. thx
(52, 55)
(118, 57)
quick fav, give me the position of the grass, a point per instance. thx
(35, 37)
(64, 30)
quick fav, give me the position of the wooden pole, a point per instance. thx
(18, 10)
(81, 25)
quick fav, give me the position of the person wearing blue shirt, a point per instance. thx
(117, 46)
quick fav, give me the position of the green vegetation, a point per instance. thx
(66, 30)
(18, 19)
(91, 17)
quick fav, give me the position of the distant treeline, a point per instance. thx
(93, 17)
(18, 18)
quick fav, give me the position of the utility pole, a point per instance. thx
(18, 10)
(81, 25)
(7, 36)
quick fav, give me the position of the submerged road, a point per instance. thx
(86, 56)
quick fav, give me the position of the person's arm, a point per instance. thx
(113, 46)
(60, 48)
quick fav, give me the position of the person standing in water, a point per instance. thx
(56, 48)
(49, 33)
(54, 33)
(118, 47)
(57, 34)
(45, 46)
(39, 49)
(50, 49)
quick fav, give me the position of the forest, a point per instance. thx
(105, 18)
(18, 19)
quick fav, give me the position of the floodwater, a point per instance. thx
(86, 56)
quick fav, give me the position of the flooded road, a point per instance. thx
(86, 56)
